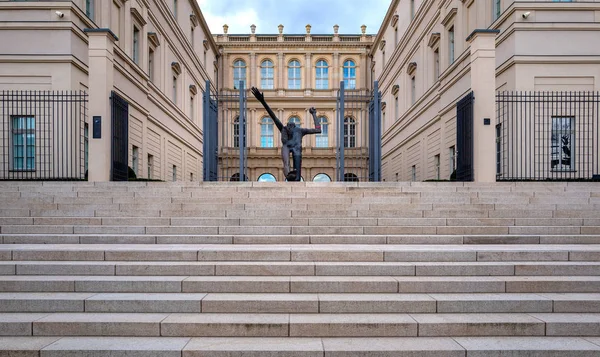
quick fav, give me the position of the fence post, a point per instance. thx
(483, 84)
(101, 68)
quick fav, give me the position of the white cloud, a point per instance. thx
(238, 21)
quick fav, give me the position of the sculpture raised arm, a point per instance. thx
(261, 98)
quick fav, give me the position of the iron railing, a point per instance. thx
(547, 136)
(44, 135)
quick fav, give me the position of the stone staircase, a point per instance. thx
(299, 269)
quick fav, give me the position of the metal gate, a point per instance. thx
(464, 138)
(120, 135)
(358, 153)
(225, 144)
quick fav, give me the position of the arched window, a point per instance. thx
(266, 133)
(322, 75)
(350, 74)
(295, 120)
(239, 73)
(349, 133)
(322, 140)
(294, 76)
(321, 178)
(267, 177)
(236, 177)
(267, 75)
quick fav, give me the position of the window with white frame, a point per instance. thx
(322, 139)
(266, 133)
(239, 73)
(349, 74)
(294, 75)
(23, 143)
(322, 75)
(562, 148)
(436, 166)
(236, 132)
(267, 75)
(349, 132)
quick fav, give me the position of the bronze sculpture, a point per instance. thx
(291, 138)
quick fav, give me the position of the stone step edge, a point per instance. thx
(302, 347)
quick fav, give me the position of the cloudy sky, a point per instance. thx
(294, 15)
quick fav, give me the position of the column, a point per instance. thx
(253, 81)
(279, 82)
(483, 84)
(334, 76)
(101, 69)
(308, 83)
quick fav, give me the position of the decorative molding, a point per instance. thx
(434, 39)
(394, 21)
(153, 39)
(193, 89)
(449, 16)
(137, 16)
(382, 45)
(176, 67)
(412, 67)
(194, 20)
(205, 44)
(383, 105)
(395, 89)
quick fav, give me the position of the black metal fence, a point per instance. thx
(547, 136)
(44, 135)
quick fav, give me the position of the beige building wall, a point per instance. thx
(45, 48)
(542, 45)
(253, 49)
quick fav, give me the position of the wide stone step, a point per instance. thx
(269, 268)
(299, 252)
(301, 347)
(297, 303)
(323, 228)
(299, 325)
(294, 239)
(301, 284)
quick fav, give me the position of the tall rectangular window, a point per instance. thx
(412, 9)
(322, 139)
(175, 9)
(89, 9)
(396, 109)
(396, 36)
(452, 159)
(498, 149)
(497, 9)
(150, 166)
(174, 173)
(451, 45)
(86, 146)
(151, 64)
(135, 159)
(413, 90)
(436, 64)
(562, 149)
(192, 39)
(413, 173)
(192, 108)
(175, 89)
(436, 164)
(294, 76)
(136, 45)
(23, 145)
